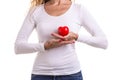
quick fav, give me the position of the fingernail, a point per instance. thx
(73, 41)
(52, 34)
(60, 40)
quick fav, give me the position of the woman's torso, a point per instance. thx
(61, 60)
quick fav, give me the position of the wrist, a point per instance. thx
(76, 37)
(46, 46)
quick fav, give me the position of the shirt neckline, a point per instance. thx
(59, 15)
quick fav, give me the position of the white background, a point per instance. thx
(96, 64)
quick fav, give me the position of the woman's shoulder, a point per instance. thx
(80, 6)
(35, 9)
(77, 6)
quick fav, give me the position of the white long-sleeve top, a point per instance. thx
(61, 60)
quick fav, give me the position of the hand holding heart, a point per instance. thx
(63, 37)
(64, 34)
(70, 36)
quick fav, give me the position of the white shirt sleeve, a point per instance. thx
(97, 38)
(21, 43)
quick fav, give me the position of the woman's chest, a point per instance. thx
(45, 24)
(57, 10)
(45, 28)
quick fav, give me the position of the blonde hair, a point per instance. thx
(38, 2)
(35, 3)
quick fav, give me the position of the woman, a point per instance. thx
(56, 58)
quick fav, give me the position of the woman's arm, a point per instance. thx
(21, 43)
(97, 38)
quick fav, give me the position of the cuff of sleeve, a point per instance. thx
(42, 48)
(81, 38)
(78, 39)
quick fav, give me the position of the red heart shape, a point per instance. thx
(63, 30)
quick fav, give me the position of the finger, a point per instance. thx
(68, 42)
(68, 37)
(56, 40)
(57, 36)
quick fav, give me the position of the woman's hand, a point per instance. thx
(53, 43)
(59, 40)
(70, 36)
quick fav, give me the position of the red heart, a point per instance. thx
(63, 30)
